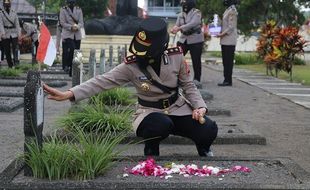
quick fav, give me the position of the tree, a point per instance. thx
(93, 8)
(253, 13)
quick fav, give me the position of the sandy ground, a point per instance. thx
(285, 125)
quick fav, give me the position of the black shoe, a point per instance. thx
(224, 84)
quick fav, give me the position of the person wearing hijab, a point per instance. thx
(158, 74)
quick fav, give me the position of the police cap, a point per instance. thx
(151, 38)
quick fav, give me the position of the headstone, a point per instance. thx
(33, 112)
(102, 62)
(110, 56)
(33, 53)
(77, 68)
(119, 55)
(92, 64)
(126, 50)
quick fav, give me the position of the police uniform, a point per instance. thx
(191, 38)
(68, 19)
(32, 31)
(228, 42)
(11, 33)
(159, 113)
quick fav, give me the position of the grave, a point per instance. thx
(265, 173)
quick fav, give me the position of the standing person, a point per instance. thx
(71, 20)
(1, 44)
(31, 31)
(157, 73)
(228, 39)
(189, 23)
(12, 32)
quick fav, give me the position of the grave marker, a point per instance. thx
(33, 113)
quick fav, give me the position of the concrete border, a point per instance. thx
(241, 138)
(302, 177)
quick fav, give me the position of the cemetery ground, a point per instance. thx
(253, 110)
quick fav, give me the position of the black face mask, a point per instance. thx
(71, 5)
(7, 7)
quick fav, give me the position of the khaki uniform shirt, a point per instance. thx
(229, 26)
(31, 30)
(10, 24)
(174, 72)
(1, 29)
(188, 21)
(67, 22)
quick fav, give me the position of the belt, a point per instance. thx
(160, 104)
(9, 27)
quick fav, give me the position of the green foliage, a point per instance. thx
(10, 72)
(298, 61)
(252, 12)
(26, 67)
(98, 116)
(247, 58)
(215, 54)
(93, 8)
(115, 96)
(90, 155)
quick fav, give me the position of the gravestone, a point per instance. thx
(77, 68)
(33, 113)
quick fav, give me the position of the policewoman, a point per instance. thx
(158, 74)
(192, 38)
(11, 34)
(71, 21)
(228, 40)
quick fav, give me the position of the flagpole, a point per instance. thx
(40, 23)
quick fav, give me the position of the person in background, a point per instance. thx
(12, 33)
(228, 39)
(1, 44)
(31, 31)
(189, 23)
(58, 42)
(157, 73)
(71, 20)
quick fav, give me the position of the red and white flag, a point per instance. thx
(46, 52)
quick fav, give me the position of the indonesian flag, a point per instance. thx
(46, 52)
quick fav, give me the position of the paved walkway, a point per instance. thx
(294, 92)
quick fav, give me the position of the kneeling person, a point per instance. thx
(158, 74)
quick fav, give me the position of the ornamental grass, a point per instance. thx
(87, 156)
(98, 116)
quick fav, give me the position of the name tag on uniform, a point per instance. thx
(143, 78)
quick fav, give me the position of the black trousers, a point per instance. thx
(2, 50)
(158, 126)
(10, 45)
(195, 50)
(68, 47)
(228, 55)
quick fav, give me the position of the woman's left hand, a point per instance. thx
(198, 113)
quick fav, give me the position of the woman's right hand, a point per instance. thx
(57, 95)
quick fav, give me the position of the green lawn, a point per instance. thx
(301, 73)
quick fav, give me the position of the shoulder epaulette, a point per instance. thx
(130, 59)
(174, 50)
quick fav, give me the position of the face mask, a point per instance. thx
(7, 6)
(185, 8)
